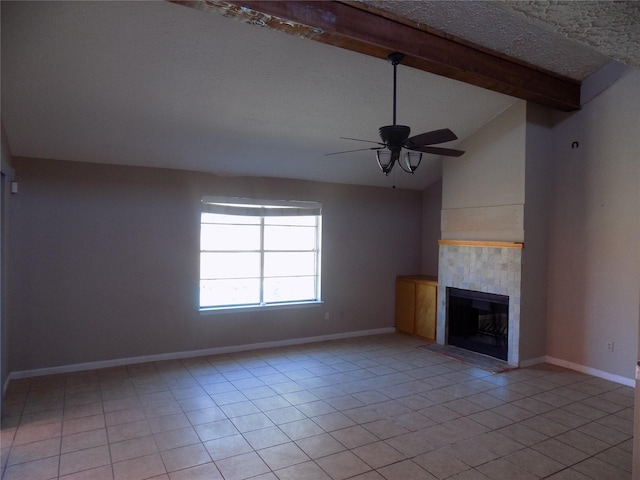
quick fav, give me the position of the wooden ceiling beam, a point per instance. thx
(361, 29)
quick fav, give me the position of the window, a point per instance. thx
(257, 253)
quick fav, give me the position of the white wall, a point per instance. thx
(594, 264)
(483, 191)
(104, 262)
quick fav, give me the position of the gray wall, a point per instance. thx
(594, 263)
(538, 171)
(431, 206)
(6, 176)
(104, 262)
(580, 224)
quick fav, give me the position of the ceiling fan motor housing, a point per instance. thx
(394, 135)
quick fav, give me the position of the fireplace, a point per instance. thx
(492, 268)
(478, 322)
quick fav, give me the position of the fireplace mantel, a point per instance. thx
(482, 243)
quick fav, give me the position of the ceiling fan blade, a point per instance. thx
(360, 140)
(435, 136)
(356, 150)
(447, 152)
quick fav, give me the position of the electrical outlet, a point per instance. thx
(609, 346)
(327, 316)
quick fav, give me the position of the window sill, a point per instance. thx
(259, 308)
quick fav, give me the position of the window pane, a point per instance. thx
(251, 256)
(289, 289)
(229, 265)
(229, 237)
(216, 293)
(235, 219)
(293, 220)
(289, 238)
(285, 264)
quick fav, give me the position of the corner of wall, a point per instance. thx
(6, 175)
(431, 207)
(599, 81)
(536, 225)
(6, 161)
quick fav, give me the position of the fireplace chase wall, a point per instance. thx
(489, 267)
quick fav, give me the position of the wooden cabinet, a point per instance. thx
(416, 303)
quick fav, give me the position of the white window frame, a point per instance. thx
(263, 209)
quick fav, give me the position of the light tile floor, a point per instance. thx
(365, 408)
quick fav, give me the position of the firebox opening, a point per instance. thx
(478, 322)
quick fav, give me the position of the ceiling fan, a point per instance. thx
(396, 137)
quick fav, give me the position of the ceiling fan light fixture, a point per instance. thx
(396, 137)
(385, 159)
(410, 161)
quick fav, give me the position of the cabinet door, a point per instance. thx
(405, 306)
(426, 303)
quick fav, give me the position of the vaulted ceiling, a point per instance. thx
(264, 91)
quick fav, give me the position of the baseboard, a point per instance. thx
(533, 361)
(630, 382)
(118, 362)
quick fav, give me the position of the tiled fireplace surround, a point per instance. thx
(482, 267)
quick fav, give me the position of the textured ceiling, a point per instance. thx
(610, 27)
(571, 38)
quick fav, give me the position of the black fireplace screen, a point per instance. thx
(478, 322)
